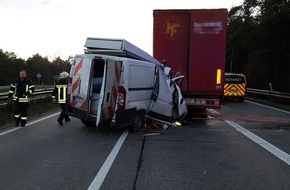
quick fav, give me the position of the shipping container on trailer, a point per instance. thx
(192, 42)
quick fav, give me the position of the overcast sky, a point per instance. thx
(60, 27)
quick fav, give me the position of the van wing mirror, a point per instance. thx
(167, 71)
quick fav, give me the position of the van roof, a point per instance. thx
(117, 47)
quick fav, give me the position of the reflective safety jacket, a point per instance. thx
(60, 91)
(20, 90)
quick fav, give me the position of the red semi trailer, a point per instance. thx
(193, 43)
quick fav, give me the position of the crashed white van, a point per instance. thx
(117, 84)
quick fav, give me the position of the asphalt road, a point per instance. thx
(241, 146)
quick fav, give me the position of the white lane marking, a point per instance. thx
(268, 107)
(97, 182)
(33, 122)
(212, 111)
(9, 131)
(36, 121)
(266, 145)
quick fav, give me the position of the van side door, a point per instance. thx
(162, 103)
(167, 101)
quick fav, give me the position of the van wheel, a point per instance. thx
(241, 99)
(87, 123)
(138, 122)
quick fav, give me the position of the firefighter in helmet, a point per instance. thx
(59, 95)
(20, 90)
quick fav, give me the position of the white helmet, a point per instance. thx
(63, 75)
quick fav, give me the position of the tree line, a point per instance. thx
(258, 43)
(39, 69)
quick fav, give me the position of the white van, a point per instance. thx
(121, 91)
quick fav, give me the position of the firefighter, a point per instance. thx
(59, 95)
(20, 90)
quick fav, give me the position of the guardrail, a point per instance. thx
(265, 94)
(270, 94)
(37, 94)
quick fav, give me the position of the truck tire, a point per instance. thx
(138, 122)
(88, 123)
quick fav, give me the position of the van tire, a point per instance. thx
(88, 123)
(138, 122)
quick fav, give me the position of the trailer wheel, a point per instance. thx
(87, 123)
(138, 122)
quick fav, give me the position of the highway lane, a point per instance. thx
(270, 124)
(207, 153)
(204, 153)
(46, 156)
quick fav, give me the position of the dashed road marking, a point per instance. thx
(97, 182)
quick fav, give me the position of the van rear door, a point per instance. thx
(80, 86)
(109, 91)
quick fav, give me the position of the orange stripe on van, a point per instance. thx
(84, 105)
(76, 84)
(78, 67)
(108, 112)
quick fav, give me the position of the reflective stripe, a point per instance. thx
(61, 86)
(23, 118)
(61, 97)
(235, 89)
(24, 99)
(218, 76)
(31, 89)
(13, 92)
